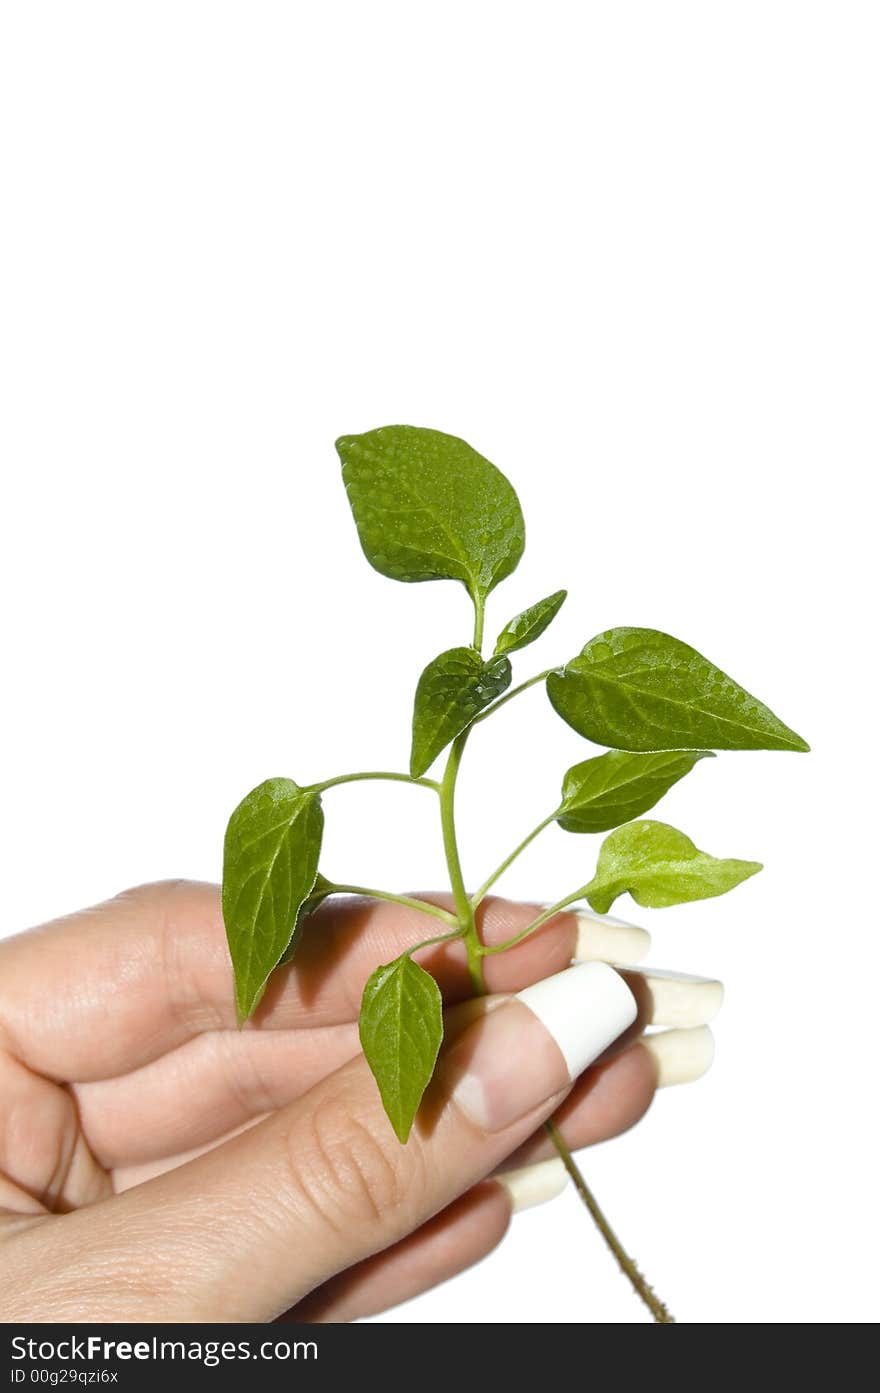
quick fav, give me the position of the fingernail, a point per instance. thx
(531, 1185)
(675, 998)
(530, 1049)
(681, 1055)
(601, 937)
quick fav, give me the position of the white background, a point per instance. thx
(629, 251)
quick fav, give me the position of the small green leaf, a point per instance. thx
(639, 689)
(401, 1028)
(270, 862)
(526, 627)
(321, 889)
(453, 689)
(428, 507)
(660, 866)
(615, 787)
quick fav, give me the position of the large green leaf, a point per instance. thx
(428, 507)
(270, 862)
(453, 689)
(639, 689)
(401, 1028)
(615, 787)
(660, 866)
(530, 624)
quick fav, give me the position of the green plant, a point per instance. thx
(428, 507)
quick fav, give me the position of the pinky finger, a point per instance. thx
(453, 1240)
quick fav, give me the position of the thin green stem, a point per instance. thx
(479, 616)
(658, 1310)
(463, 906)
(438, 938)
(422, 906)
(536, 923)
(373, 774)
(508, 696)
(466, 929)
(486, 886)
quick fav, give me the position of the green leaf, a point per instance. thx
(428, 507)
(526, 627)
(615, 787)
(660, 866)
(453, 689)
(321, 889)
(638, 689)
(270, 863)
(401, 1028)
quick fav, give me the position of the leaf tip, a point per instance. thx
(402, 1129)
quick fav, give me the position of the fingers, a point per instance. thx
(460, 1235)
(680, 1056)
(616, 1093)
(249, 1228)
(674, 998)
(534, 1184)
(157, 958)
(45, 1162)
(203, 1090)
(609, 1099)
(606, 1101)
(606, 939)
(229, 1078)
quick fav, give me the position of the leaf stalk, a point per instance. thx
(480, 895)
(385, 774)
(514, 691)
(423, 906)
(537, 923)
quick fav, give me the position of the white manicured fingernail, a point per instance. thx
(531, 1185)
(676, 998)
(528, 1049)
(584, 1008)
(681, 1055)
(601, 937)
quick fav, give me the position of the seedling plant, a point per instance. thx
(429, 507)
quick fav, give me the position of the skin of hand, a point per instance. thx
(158, 1164)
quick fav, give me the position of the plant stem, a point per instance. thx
(508, 696)
(467, 930)
(641, 1287)
(438, 938)
(373, 774)
(479, 616)
(536, 923)
(463, 906)
(421, 905)
(486, 886)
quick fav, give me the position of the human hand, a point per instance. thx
(157, 1164)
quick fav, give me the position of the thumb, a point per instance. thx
(247, 1230)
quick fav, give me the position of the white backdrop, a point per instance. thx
(629, 251)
